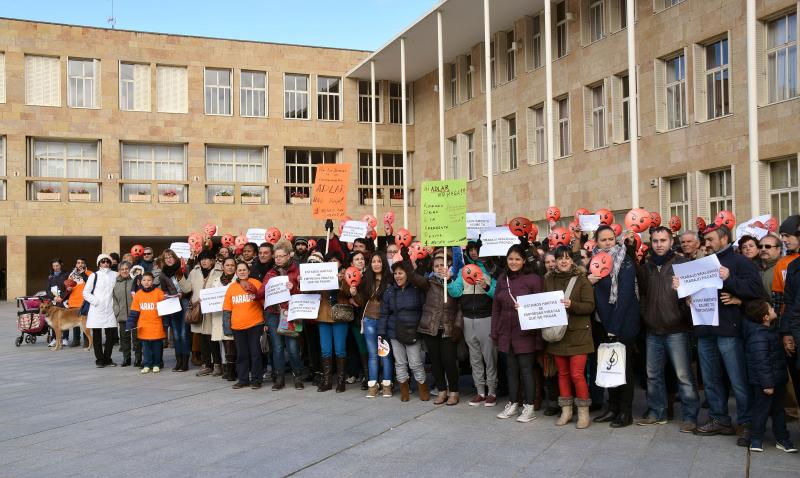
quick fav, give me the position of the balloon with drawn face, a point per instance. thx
(389, 228)
(637, 220)
(655, 219)
(582, 211)
(371, 220)
(273, 235)
(239, 242)
(472, 274)
(289, 236)
(616, 228)
(210, 230)
(559, 236)
(520, 226)
(195, 241)
(771, 225)
(137, 251)
(372, 234)
(601, 264)
(227, 240)
(675, 223)
(589, 245)
(533, 233)
(416, 251)
(312, 244)
(352, 276)
(552, 214)
(725, 218)
(402, 238)
(574, 226)
(388, 218)
(606, 217)
(700, 223)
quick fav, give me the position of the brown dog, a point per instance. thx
(60, 319)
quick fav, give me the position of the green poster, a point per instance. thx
(444, 213)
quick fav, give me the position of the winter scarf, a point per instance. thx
(617, 253)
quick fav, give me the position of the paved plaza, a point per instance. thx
(63, 417)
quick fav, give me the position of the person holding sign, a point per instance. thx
(520, 346)
(170, 278)
(618, 309)
(242, 316)
(572, 350)
(217, 334)
(201, 277)
(144, 319)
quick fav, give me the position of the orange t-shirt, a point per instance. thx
(77, 293)
(149, 325)
(245, 310)
(779, 274)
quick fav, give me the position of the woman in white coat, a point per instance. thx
(99, 293)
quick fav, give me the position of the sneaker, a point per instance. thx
(52, 343)
(65, 342)
(713, 427)
(688, 427)
(477, 400)
(145, 370)
(156, 369)
(651, 420)
(491, 401)
(351, 379)
(509, 411)
(386, 391)
(786, 446)
(527, 415)
(372, 391)
(756, 445)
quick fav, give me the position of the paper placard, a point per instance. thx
(211, 299)
(168, 306)
(256, 235)
(443, 213)
(330, 191)
(303, 306)
(589, 222)
(537, 311)
(353, 230)
(477, 222)
(276, 292)
(698, 274)
(324, 276)
(748, 228)
(495, 241)
(705, 307)
(181, 249)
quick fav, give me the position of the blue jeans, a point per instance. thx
(716, 352)
(179, 333)
(371, 337)
(152, 351)
(279, 344)
(676, 347)
(333, 334)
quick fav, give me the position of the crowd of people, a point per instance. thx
(414, 309)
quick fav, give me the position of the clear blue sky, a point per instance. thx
(357, 24)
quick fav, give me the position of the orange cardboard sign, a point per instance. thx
(329, 200)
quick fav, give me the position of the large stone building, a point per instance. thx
(195, 123)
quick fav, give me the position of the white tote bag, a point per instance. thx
(610, 365)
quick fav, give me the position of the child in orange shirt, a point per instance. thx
(243, 316)
(150, 330)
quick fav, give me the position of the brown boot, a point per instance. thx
(453, 400)
(341, 365)
(424, 393)
(404, 392)
(441, 397)
(566, 410)
(217, 370)
(583, 413)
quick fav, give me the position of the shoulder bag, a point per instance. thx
(85, 304)
(556, 333)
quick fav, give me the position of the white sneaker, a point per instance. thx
(65, 342)
(156, 369)
(145, 370)
(509, 411)
(527, 414)
(52, 343)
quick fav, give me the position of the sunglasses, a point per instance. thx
(767, 246)
(148, 254)
(105, 260)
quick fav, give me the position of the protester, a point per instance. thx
(147, 261)
(242, 317)
(301, 251)
(170, 278)
(770, 254)
(791, 242)
(748, 247)
(79, 275)
(263, 262)
(203, 276)
(690, 246)
(217, 333)
(145, 321)
(99, 292)
(332, 333)
(122, 307)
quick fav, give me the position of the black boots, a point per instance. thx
(298, 382)
(341, 375)
(325, 381)
(280, 382)
(364, 372)
(181, 363)
(230, 371)
(623, 419)
(608, 416)
(126, 362)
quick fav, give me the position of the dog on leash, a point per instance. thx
(60, 319)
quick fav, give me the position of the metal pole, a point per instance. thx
(403, 114)
(487, 77)
(373, 111)
(548, 103)
(633, 116)
(440, 50)
(752, 109)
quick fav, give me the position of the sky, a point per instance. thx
(356, 24)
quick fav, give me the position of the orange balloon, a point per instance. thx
(601, 264)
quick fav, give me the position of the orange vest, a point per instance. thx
(149, 326)
(246, 310)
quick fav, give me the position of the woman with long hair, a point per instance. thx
(170, 279)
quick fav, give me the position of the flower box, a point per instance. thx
(299, 200)
(251, 199)
(140, 198)
(48, 196)
(222, 199)
(396, 202)
(80, 197)
(163, 198)
(370, 201)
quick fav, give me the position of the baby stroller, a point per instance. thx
(30, 322)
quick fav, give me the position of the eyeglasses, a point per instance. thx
(105, 260)
(767, 246)
(148, 254)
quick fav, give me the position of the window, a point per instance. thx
(3, 83)
(720, 191)
(511, 143)
(511, 56)
(452, 149)
(678, 198)
(618, 13)
(783, 190)
(782, 58)
(621, 105)
(329, 98)
(218, 91)
(301, 171)
(134, 87)
(562, 129)
(670, 79)
(390, 175)
(537, 143)
(395, 99)
(712, 80)
(151, 162)
(365, 104)
(253, 93)
(594, 23)
(234, 165)
(468, 78)
(659, 5)
(82, 83)
(469, 139)
(492, 64)
(172, 89)
(64, 160)
(561, 29)
(595, 111)
(451, 78)
(295, 96)
(42, 81)
(533, 48)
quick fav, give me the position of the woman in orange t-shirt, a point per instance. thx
(149, 327)
(243, 316)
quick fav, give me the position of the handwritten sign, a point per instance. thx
(750, 228)
(322, 276)
(330, 191)
(705, 307)
(211, 299)
(276, 292)
(181, 249)
(495, 241)
(537, 311)
(353, 230)
(698, 274)
(168, 306)
(443, 213)
(477, 222)
(589, 222)
(256, 235)
(303, 306)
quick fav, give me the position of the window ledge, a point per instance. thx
(562, 57)
(673, 129)
(714, 119)
(297, 119)
(253, 116)
(218, 114)
(561, 157)
(779, 102)
(537, 164)
(656, 12)
(531, 70)
(330, 120)
(174, 112)
(370, 122)
(594, 41)
(44, 106)
(509, 171)
(591, 150)
(135, 111)
(83, 107)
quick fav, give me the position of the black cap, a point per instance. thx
(790, 225)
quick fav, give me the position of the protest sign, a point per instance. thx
(276, 292)
(705, 307)
(589, 222)
(211, 299)
(750, 228)
(321, 276)
(537, 311)
(495, 241)
(168, 306)
(353, 230)
(256, 235)
(181, 249)
(477, 222)
(303, 306)
(698, 274)
(330, 191)
(443, 213)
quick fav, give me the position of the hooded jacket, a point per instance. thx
(764, 354)
(100, 297)
(438, 315)
(402, 306)
(663, 313)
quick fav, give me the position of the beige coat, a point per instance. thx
(196, 283)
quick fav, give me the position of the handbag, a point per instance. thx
(85, 304)
(343, 313)
(194, 315)
(289, 329)
(610, 365)
(557, 332)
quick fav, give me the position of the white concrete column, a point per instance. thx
(440, 54)
(752, 109)
(487, 78)
(633, 121)
(374, 118)
(548, 103)
(403, 119)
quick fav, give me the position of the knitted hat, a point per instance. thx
(300, 240)
(790, 225)
(101, 257)
(315, 258)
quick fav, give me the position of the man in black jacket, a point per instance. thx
(667, 323)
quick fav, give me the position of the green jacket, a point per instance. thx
(578, 339)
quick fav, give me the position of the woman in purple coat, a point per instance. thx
(519, 345)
